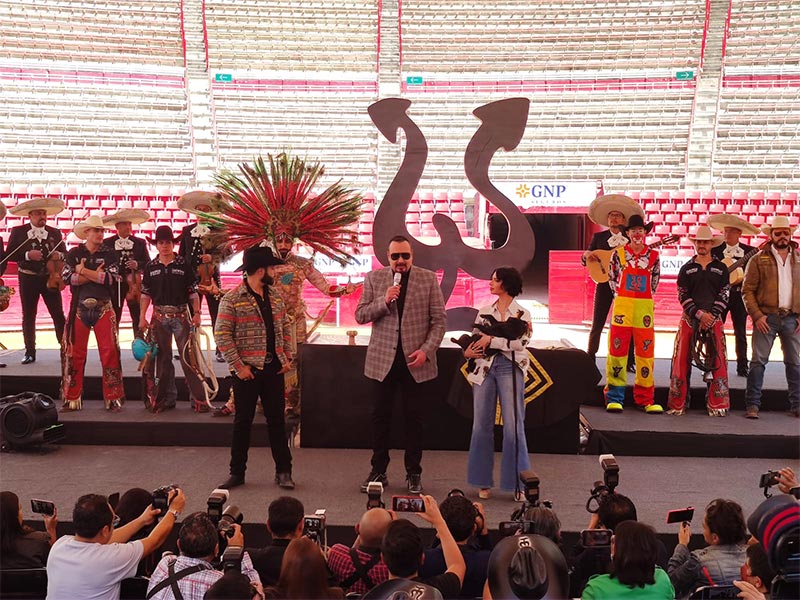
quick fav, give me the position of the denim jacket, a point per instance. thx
(719, 564)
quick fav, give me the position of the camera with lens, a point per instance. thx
(767, 480)
(607, 485)
(230, 516)
(375, 495)
(161, 498)
(531, 494)
(314, 527)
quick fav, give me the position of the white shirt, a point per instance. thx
(784, 279)
(733, 251)
(90, 571)
(519, 346)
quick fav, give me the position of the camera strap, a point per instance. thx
(361, 570)
(173, 579)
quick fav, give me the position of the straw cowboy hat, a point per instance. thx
(722, 221)
(134, 216)
(778, 222)
(92, 222)
(602, 205)
(2, 210)
(704, 233)
(53, 206)
(191, 200)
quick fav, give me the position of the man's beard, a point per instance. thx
(781, 242)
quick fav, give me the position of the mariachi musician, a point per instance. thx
(196, 249)
(132, 256)
(735, 255)
(38, 250)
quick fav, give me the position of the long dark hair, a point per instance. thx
(304, 573)
(635, 554)
(10, 527)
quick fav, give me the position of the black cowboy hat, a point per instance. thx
(257, 257)
(638, 221)
(163, 233)
(528, 566)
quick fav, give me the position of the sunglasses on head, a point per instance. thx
(397, 255)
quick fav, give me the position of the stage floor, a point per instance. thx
(330, 479)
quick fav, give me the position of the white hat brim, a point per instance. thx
(52, 206)
(602, 205)
(191, 200)
(720, 222)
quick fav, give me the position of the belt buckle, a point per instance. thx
(89, 302)
(268, 358)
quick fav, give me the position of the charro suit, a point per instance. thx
(394, 337)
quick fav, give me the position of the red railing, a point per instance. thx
(378, 57)
(183, 37)
(400, 32)
(205, 31)
(705, 33)
(726, 34)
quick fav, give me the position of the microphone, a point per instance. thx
(396, 281)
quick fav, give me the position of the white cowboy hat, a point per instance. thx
(722, 221)
(53, 206)
(704, 233)
(778, 222)
(602, 205)
(191, 200)
(134, 216)
(92, 222)
(2, 210)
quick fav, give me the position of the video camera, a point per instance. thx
(314, 527)
(607, 485)
(375, 495)
(161, 498)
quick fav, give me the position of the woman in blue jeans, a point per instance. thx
(498, 373)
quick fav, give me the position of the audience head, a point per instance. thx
(198, 537)
(527, 566)
(544, 522)
(402, 548)
(372, 527)
(233, 585)
(10, 522)
(132, 504)
(724, 523)
(285, 517)
(634, 553)
(614, 509)
(757, 569)
(304, 573)
(92, 513)
(459, 513)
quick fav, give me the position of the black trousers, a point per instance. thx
(213, 306)
(739, 318)
(412, 397)
(603, 299)
(267, 385)
(31, 287)
(134, 308)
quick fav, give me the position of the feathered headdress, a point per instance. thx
(266, 200)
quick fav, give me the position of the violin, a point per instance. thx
(134, 281)
(205, 272)
(55, 265)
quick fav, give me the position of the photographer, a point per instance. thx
(403, 549)
(284, 523)
(20, 546)
(192, 571)
(93, 562)
(464, 519)
(720, 562)
(361, 568)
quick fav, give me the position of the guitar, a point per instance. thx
(736, 265)
(598, 269)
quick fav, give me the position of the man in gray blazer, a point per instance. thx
(406, 309)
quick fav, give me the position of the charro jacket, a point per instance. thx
(760, 287)
(241, 333)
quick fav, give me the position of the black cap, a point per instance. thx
(257, 257)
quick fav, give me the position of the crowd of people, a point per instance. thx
(616, 557)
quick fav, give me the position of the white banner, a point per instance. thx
(671, 265)
(551, 194)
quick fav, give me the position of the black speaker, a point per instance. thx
(29, 419)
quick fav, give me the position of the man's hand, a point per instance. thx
(285, 369)
(787, 480)
(392, 294)
(35, 255)
(431, 514)
(417, 358)
(177, 500)
(762, 324)
(707, 320)
(480, 519)
(594, 522)
(148, 516)
(237, 539)
(196, 319)
(205, 258)
(245, 373)
(684, 534)
(749, 591)
(143, 325)
(50, 524)
(131, 264)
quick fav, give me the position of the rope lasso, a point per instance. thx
(703, 350)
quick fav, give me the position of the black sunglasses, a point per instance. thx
(397, 255)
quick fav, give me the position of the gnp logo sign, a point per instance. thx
(552, 194)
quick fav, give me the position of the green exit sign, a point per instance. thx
(684, 75)
(223, 77)
(414, 80)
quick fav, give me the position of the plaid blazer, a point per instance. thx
(423, 327)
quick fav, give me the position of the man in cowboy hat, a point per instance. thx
(170, 286)
(31, 246)
(612, 210)
(92, 272)
(132, 256)
(254, 335)
(771, 292)
(733, 251)
(633, 275)
(703, 288)
(194, 249)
